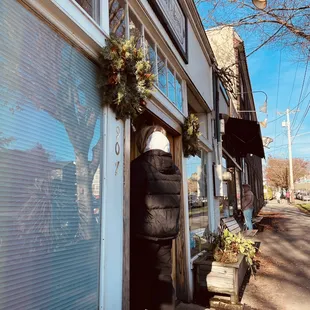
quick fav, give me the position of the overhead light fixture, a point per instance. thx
(264, 123)
(267, 141)
(263, 108)
(260, 4)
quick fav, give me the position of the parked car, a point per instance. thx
(306, 197)
(300, 195)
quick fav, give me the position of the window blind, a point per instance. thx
(50, 143)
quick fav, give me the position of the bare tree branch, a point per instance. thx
(293, 16)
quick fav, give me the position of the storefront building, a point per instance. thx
(65, 159)
(238, 133)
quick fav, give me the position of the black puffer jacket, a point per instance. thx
(155, 196)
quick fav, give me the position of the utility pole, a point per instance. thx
(290, 154)
(290, 157)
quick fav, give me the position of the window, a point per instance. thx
(167, 79)
(50, 134)
(245, 173)
(238, 187)
(117, 17)
(197, 200)
(135, 28)
(91, 7)
(171, 85)
(179, 95)
(150, 52)
(162, 73)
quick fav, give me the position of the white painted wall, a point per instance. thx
(111, 271)
(198, 68)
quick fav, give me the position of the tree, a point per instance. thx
(277, 171)
(192, 183)
(285, 21)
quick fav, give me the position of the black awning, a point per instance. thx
(244, 137)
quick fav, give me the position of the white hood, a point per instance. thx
(157, 141)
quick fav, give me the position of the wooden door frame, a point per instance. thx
(181, 247)
(182, 241)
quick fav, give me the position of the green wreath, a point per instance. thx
(190, 136)
(126, 78)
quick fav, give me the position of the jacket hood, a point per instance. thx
(160, 160)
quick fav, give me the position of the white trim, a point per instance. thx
(166, 98)
(112, 284)
(166, 66)
(164, 115)
(73, 22)
(210, 127)
(210, 190)
(187, 231)
(164, 101)
(103, 171)
(166, 59)
(205, 144)
(184, 97)
(104, 19)
(77, 14)
(127, 20)
(156, 62)
(143, 39)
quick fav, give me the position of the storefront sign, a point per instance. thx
(171, 15)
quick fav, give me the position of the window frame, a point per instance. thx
(96, 11)
(98, 31)
(204, 163)
(145, 33)
(173, 73)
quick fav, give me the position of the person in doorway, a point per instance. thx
(278, 197)
(247, 205)
(154, 211)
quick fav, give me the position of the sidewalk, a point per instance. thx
(283, 280)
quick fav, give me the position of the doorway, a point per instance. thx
(149, 119)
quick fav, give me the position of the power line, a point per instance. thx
(289, 102)
(265, 42)
(304, 117)
(274, 120)
(278, 87)
(301, 91)
(281, 116)
(285, 145)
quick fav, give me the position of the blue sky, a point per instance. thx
(272, 69)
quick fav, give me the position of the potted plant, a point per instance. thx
(225, 262)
